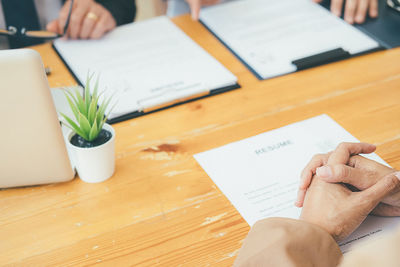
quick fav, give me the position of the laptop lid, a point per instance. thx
(33, 149)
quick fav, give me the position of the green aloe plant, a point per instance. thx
(88, 112)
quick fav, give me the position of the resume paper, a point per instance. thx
(260, 174)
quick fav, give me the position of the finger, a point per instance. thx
(88, 23)
(210, 2)
(361, 11)
(301, 195)
(77, 16)
(317, 1)
(341, 173)
(336, 7)
(344, 151)
(307, 174)
(195, 6)
(52, 26)
(386, 210)
(384, 187)
(63, 16)
(373, 8)
(350, 11)
(358, 161)
(105, 23)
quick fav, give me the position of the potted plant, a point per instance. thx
(91, 140)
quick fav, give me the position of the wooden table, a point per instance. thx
(160, 207)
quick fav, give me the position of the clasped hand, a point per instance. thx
(338, 190)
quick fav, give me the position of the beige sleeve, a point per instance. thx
(288, 242)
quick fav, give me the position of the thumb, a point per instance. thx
(389, 184)
(52, 26)
(195, 9)
(340, 173)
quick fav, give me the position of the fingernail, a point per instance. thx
(349, 20)
(397, 174)
(324, 172)
(296, 203)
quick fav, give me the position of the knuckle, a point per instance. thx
(352, 7)
(355, 160)
(315, 157)
(75, 19)
(325, 157)
(342, 171)
(343, 145)
(392, 183)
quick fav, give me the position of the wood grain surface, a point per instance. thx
(160, 207)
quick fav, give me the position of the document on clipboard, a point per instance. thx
(146, 66)
(260, 174)
(273, 38)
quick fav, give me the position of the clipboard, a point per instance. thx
(312, 61)
(166, 93)
(385, 31)
(160, 107)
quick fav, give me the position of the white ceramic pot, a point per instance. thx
(94, 164)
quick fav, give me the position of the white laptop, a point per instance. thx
(32, 146)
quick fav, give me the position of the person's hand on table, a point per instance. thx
(344, 166)
(338, 210)
(355, 11)
(341, 155)
(195, 6)
(89, 20)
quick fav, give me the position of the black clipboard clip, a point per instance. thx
(321, 58)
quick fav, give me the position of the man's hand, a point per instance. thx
(341, 155)
(355, 11)
(195, 6)
(89, 20)
(363, 173)
(340, 211)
